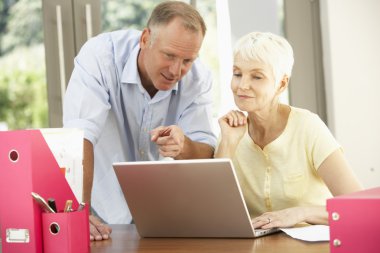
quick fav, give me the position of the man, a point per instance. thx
(139, 96)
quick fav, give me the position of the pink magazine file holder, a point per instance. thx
(27, 165)
(66, 232)
(354, 222)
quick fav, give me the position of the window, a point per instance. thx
(22, 66)
(69, 23)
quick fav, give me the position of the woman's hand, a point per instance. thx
(280, 219)
(291, 216)
(233, 126)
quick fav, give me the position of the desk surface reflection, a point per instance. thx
(125, 239)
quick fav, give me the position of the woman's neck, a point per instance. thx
(266, 126)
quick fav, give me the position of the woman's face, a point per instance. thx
(253, 85)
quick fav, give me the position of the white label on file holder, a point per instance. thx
(17, 235)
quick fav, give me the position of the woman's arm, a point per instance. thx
(338, 175)
(339, 178)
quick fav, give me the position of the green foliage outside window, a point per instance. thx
(23, 91)
(121, 14)
(23, 102)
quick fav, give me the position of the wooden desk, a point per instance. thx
(125, 239)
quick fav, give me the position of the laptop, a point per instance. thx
(186, 198)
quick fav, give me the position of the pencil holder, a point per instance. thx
(27, 165)
(66, 232)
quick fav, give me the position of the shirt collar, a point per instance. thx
(130, 72)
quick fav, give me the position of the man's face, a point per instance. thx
(171, 55)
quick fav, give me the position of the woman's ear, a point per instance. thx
(283, 84)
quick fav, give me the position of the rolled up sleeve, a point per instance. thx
(86, 102)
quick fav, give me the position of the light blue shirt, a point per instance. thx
(106, 99)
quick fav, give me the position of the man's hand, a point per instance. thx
(98, 230)
(170, 140)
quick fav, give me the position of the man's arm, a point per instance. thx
(195, 150)
(98, 230)
(88, 170)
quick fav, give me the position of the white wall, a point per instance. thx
(351, 45)
(254, 15)
(235, 19)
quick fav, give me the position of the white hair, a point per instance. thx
(267, 48)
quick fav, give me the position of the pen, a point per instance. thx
(41, 201)
(51, 203)
(68, 206)
(165, 132)
(81, 206)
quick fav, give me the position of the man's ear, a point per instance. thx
(283, 84)
(145, 38)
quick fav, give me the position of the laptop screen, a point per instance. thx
(184, 198)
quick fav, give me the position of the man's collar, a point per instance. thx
(130, 71)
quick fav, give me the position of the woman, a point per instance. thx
(287, 161)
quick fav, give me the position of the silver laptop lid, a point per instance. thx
(185, 198)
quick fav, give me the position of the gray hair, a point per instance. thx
(165, 12)
(267, 48)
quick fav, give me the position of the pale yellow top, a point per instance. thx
(283, 174)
